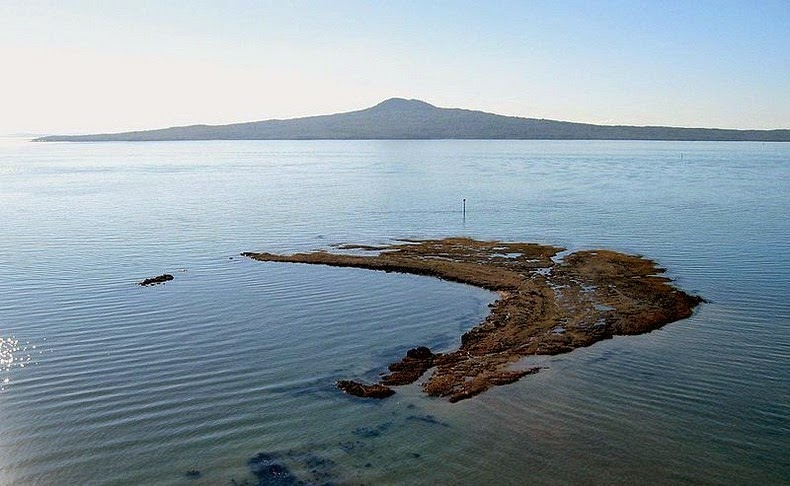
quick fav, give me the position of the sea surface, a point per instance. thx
(228, 371)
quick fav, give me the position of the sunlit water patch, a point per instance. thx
(14, 355)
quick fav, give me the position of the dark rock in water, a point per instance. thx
(269, 472)
(420, 352)
(192, 474)
(156, 280)
(363, 390)
(408, 370)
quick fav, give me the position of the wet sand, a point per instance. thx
(545, 306)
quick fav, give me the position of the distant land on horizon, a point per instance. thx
(404, 119)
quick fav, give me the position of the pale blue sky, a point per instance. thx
(72, 66)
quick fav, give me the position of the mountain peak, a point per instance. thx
(402, 104)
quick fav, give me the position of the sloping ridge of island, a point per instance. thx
(399, 118)
(547, 305)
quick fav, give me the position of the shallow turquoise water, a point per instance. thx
(130, 385)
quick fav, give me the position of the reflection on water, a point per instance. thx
(226, 373)
(13, 354)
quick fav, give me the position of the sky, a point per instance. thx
(71, 66)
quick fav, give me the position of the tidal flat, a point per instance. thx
(548, 306)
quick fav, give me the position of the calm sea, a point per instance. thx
(229, 368)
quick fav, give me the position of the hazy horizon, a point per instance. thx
(84, 68)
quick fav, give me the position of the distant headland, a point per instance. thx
(547, 306)
(402, 119)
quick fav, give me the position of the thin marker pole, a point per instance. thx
(464, 206)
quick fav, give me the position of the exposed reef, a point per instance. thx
(166, 277)
(546, 306)
(364, 390)
(408, 370)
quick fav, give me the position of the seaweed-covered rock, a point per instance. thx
(365, 390)
(408, 370)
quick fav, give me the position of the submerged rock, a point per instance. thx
(192, 474)
(369, 432)
(270, 472)
(546, 306)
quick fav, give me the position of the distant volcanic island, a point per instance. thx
(547, 306)
(401, 119)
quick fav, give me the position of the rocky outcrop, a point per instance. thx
(408, 370)
(159, 279)
(547, 305)
(365, 390)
